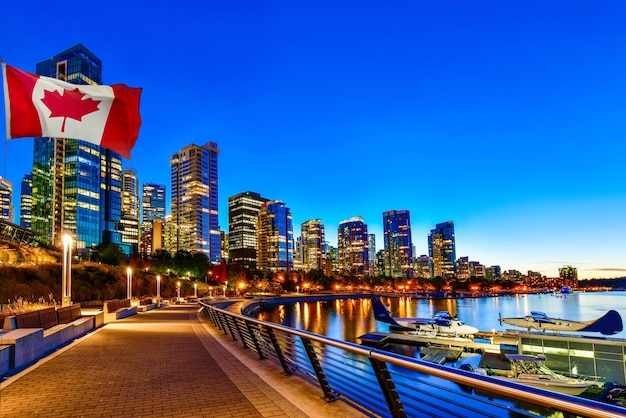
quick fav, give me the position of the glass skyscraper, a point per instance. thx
(153, 218)
(352, 243)
(275, 237)
(194, 200)
(6, 200)
(398, 244)
(243, 214)
(129, 224)
(442, 251)
(76, 186)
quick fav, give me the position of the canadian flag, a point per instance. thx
(42, 106)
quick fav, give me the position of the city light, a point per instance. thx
(66, 278)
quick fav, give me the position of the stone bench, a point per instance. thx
(118, 309)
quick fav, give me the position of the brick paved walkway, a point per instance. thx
(161, 363)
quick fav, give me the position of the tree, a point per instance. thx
(111, 254)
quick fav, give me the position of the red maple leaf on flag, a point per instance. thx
(70, 104)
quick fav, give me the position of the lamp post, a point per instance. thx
(195, 290)
(66, 299)
(178, 289)
(211, 291)
(129, 283)
(224, 291)
(158, 290)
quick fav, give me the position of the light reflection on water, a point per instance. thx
(348, 319)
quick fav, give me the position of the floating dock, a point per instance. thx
(490, 344)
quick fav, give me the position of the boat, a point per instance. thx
(531, 370)
(567, 289)
(609, 324)
(441, 324)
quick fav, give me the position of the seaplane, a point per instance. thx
(609, 324)
(441, 324)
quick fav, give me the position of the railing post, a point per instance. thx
(255, 334)
(238, 327)
(388, 388)
(329, 394)
(279, 353)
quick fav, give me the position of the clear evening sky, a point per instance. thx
(507, 117)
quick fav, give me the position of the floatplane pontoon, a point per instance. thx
(609, 324)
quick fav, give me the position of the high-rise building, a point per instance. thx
(275, 237)
(129, 224)
(76, 184)
(569, 276)
(194, 200)
(463, 269)
(243, 213)
(372, 254)
(398, 243)
(442, 250)
(153, 218)
(313, 254)
(26, 201)
(352, 243)
(6, 200)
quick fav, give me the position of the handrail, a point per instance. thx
(505, 389)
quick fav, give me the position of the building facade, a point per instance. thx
(313, 245)
(275, 237)
(243, 214)
(442, 250)
(352, 247)
(153, 218)
(129, 224)
(194, 200)
(398, 244)
(26, 201)
(6, 200)
(76, 185)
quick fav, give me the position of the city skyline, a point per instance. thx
(506, 119)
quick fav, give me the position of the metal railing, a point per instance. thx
(383, 384)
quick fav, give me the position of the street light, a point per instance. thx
(66, 299)
(211, 291)
(224, 290)
(158, 290)
(195, 290)
(178, 289)
(129, 283)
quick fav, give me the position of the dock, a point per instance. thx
(439, 355)
(483, 345)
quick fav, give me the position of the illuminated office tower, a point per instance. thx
(352, 243)
(243, 213)
(129, 224)
(398, 244)
(76, 184)
(442, 251)
(313, 255)
(275, 237)
(6, 200)
(372, 254)
(569, 276)
(26, 201)
(194, 200)
(153, 218)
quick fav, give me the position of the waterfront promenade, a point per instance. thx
(167, 362)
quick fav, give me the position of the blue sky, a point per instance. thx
(506, 117)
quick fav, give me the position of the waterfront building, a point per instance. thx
(442, 250)
(421, 267)
(569, 276)
(26, 201)
(398, 243)
(170, 234)
(312, 242)
(243, 213)
(76, 185)
(332, 260)
(379, 261)
(153, 218)
(352, 243)
(462, 269)
(275, 237)
(6, 200)
(194, 200)
(493, 273)
(371, 242)
(129, 224)
(477, 270)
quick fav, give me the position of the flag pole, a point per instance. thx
(6, 142)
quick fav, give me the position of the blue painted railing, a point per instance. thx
(379, 383)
